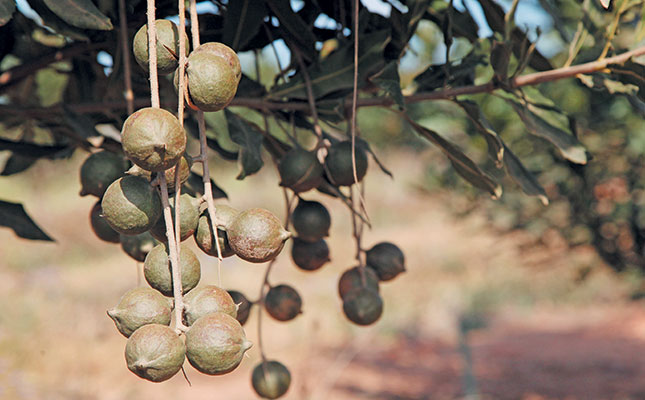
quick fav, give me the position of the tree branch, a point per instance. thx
(265, 105)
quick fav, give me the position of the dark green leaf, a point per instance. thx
(54, 22)
(404, 25)
(365, 145)
(495, 17)
(461, 74)
(242, 22)
(194, 186)
(81, 124)
(294, 28)
(523, 177)
(500, 55)
(7, 8)
(16, 164)
(249, 138)
(80, 13)
(462, 164)
(250, 88)
(494, 142)
(13, 215)
(388, 80)
(568, 145)
(32, 150)
(630, 73)
(336, 72)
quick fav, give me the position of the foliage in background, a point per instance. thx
(578, 142)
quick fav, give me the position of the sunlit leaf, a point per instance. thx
(13, 215)
(250, 141)
(80, 13)
(523, 177)
(568, 145)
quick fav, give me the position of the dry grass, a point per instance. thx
(56, 341)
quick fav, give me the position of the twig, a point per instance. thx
(174, 256)
(152, 55)
(265, 282)
(264, 105)
(203, 153)
(127, 71)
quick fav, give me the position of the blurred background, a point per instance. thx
(502, 299)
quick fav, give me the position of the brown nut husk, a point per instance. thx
(155, 352)
(167, 38)
(156, 269)
(139, 307)
(206, 300)
(153, 139)
(216, 343)
(188, 217)
(256, 235)
(243, 306)
(309, 256)
(138, 246)
(283, 302)
(211, 81)
(311, 220)
(363, 306)
(339, 163)
(100, 226)
(386, 259)
(270, 379)
(206, 241)
(131, 205)
(99, 170)
(300, 170)
(351, 279)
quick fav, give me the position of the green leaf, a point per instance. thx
(80, 13)
(32, 150)
(249, 138)
(16, 164)
(294, 28)
(523, 177)
(461, 74)
(568, 145)
(54, 22)
(596, 81)
(336, 73)
(7, 8)
(500, 56)
(404, 25)
(242, 22)
(462, 164)
(388, 80)
(13, 215)
(493, 141)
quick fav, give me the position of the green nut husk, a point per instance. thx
(155, 352)
(270, 379)
(139, 307)
(156, 269)
(99, 170)
(131, 205)
(153, 139)
(216, 343)
(167, 38)
(188, 217)
(256, 235)
(206, 300)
